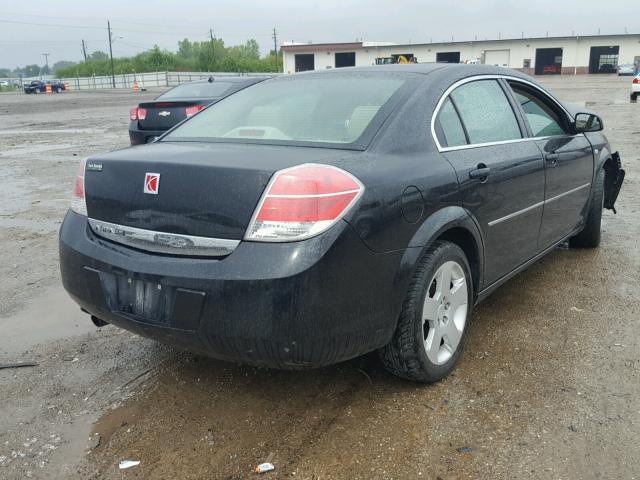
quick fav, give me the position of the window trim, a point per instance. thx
(458, 83)
(546, 100)
(439, 128)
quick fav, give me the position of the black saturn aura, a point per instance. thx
(313, 218)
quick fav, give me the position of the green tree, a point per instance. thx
(62, 64)
(98, 55)
(32, 70)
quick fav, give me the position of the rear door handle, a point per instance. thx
(552, 157)
(482, 172)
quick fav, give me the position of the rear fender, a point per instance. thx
(436, 226)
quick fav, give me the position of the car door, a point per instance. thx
(500, 172)
(568, 163)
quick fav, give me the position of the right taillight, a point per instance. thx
(636, 80)
(138, 113)
(78, 201)
(303, 201)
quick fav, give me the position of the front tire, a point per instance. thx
(430, 334)
(590, 235)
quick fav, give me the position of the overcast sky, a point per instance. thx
(57, 26)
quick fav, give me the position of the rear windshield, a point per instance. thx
(195, 91)
(319, 109)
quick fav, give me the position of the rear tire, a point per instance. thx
(634, 97)
(589, 237)
(430, 334)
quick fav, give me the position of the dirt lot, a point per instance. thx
(548, 386)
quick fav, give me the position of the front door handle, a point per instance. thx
(482, 172)
(552, 157)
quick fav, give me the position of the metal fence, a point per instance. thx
(145, 80)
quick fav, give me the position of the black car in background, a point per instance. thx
(149, 120)
(38, 86)
(316, 217)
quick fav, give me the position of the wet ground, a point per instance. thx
(548, 386)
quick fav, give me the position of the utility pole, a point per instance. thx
(84, 50)
(213, 52)
(46, 61)
(275, 46)
(113, 71)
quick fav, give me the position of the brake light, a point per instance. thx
(193, 110)
(138, 113)
(302, 202)
(636, 80)
(78, 201)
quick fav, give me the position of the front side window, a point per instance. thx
(486, 112)
(542, 119)
(331, 109)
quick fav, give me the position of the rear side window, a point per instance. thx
(485, 112)
(451, 132)
(540, 115)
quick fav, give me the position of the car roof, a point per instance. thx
(423, 68)
(231, 79)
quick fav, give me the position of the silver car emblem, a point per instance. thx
(164, 114)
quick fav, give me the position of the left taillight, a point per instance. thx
(303, 201)
(78, 201)
(138, 113)
(190, 111)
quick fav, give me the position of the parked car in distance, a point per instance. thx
(635, 88)
(4, 83)
(316, 217)
(149, 120)
(38, 86)
(627, 69)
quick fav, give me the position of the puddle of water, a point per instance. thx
(50, 316)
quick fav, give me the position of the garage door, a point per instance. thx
(499, 58)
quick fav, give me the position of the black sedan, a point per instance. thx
(149, 120)
(316, 217)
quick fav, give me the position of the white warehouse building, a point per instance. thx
(534, 56)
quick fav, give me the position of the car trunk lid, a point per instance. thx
(165, 115)
(205, 190)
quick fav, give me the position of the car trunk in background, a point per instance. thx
(165, 115)
(203, 189)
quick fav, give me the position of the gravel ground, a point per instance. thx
(548, 386)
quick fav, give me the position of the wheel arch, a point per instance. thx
(454, 224)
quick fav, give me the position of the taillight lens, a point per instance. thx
(193, 110)
(636, 80)
(138, 113)
(302, 202)
(78, 201)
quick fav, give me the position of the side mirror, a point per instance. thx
(587, 122)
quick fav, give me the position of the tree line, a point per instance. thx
(206, 56)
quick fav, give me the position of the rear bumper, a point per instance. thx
(289, 305)
(140, 137)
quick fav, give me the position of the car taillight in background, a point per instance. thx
(636, 80)
(138, 113)
(193, 110)
(303, 201)
(78, 202)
